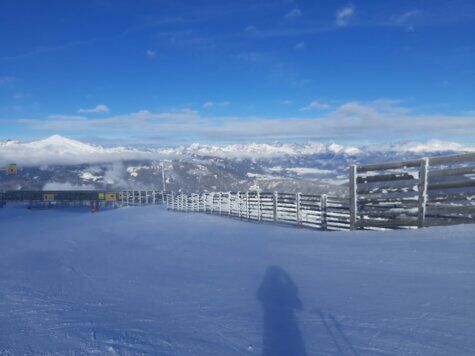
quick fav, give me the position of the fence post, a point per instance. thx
(220, 202)
(323, 211)
(238, 197)
(298, 214)
(422, 204)
(353, 198)
(229, 203)
(259, 211)
(248, 214)
(276, 201)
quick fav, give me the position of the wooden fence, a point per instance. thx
(142, 197)
(313, 211)
(416, 193)
(406, 194)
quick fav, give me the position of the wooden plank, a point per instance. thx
(467, 183)
(387, 214)
(464, 157)
(390, 195)
(387, 223)
(389, 165)
(390, 184)
(412, 200)
(377, 190)
(450, 209)
(385, 177)
(451, 172)
(448, 221)
(455, 197)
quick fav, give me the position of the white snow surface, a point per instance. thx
(142, 280)
(57, 150)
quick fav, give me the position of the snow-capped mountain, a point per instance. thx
(61, 163)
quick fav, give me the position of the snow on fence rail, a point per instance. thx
(314, 211)
(416, 193)
(142, 197)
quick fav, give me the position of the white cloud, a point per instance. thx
(300, 45)
(101, 108)
(407, 16)
(66, 117)
(293, 14)
(150, 53)
(250, 28)
(21, 95)
(210, 104)
(344, 15)
(315, 105)
(7, 80)
(285, 102)
(376, 121)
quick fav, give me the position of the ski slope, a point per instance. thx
(141, 280)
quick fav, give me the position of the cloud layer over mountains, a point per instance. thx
(57, 150)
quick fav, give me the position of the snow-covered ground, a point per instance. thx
(144, 280)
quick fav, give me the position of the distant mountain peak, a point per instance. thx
(61, 150)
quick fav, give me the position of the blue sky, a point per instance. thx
(174, 72)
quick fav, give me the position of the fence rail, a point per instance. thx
(313, 211)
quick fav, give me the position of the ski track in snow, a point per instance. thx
(146, 281)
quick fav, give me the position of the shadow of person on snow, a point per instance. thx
(279, 298)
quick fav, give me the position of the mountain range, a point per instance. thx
(314, 167)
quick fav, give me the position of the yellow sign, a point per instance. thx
(101, 196)
(111, 197)
(48, 197)
(11, 169)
